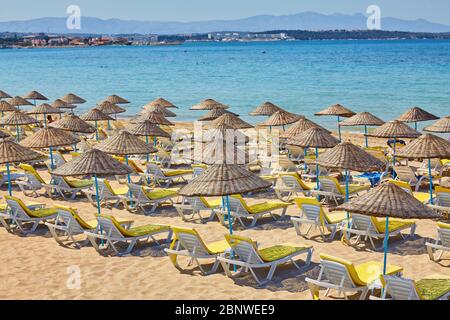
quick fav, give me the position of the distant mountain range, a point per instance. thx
(302, 21)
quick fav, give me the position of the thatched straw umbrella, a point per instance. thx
(115, 99)
(390, 201)
(208, 104)
(11, 152)
(95, 115)
(153, 117)
(440, 126)
(299, 127)
(146, 129)
(58, 103)
(49, 138)
(19, 101)
(429, 147)
(109, 108)
(214, 114)
(4, 95)
(93, 163)
(160, 102)
(125, 144)
(18, 118)
(415, 115)
(266, 109)
(34, 95)
(45, 109)
(160, 110)
(363, 119)
(314, 137)
(338, 111)
(280, 118)
(71, 98)
(73, 123)
(6, 107)
(394, 130)
(3, 135)
(224, 180)
(232, 121)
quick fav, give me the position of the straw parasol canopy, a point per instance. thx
(50, 137)
(389, 200)
(73, 123)
(95, 115)
(427, 146)
(209, 104)
(394, 129)
(18, 118)
(115, 99)
(299, 127)
(350, 157)
(34, 95)
(222, 180)
(3, 135)
(146, 128)
(280, 118)
(124, 143)
(440, 126)
(362, 119)
(11, 152)
(314, 137)
(214, 114)
(58, 103)
(93, 162)
(109, 108)
(159, 109)
(19, 101)
(336, 110)
(4, 95)
(6, 107)
(155, 118)
(231, 120)
(71, 98)
(160, 102)
(417, 114)
(44, 108)
(266, 109)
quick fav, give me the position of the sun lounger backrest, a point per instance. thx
(328, 184)
(236, 205)
(196, 203)
(17, 207)
(59, 181)
(311, 212)
(103, 189)
(137, 192)
(31, 173)
(245, 248)
(400, 288)
(108, 227)
(67, 219)
(362, 222)
(289, 181)
(337, 273)
(154, 170)
(405, 174)
(444, 234)
(191, 242)
(58, 159)
(443, 196)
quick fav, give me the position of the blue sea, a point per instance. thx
(383, 77)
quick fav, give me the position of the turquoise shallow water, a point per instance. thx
(383, 77)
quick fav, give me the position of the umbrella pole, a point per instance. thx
(148, 156)
(52, 166)
(317, 168)
(305, 152)
(346, 200)
(367, 138)
(386, 244)
(9, 179)
(339, 127)
(45, 120)
(129, 182)
(109, 125)
(431, 181)
(96, 130)
(230, 223)
(154, 141)
(415, 125)
(393, 158)
(96, 193)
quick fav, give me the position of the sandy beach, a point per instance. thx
(36, 267)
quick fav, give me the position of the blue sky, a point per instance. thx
(191, 10)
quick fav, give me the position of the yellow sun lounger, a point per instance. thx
(442, 243)
(17, 215)
(345, 277)
(33, 182)
(313, 214)
(421, 196)
(290, 184)
(191, 207)
(330, 188)
(240, 210)
(159, 176)
(107, 193)
(441, 203)
(189, 243)
(112, 232)
(247, 257)
(142, 197)
(398, 288)
(364, 227)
